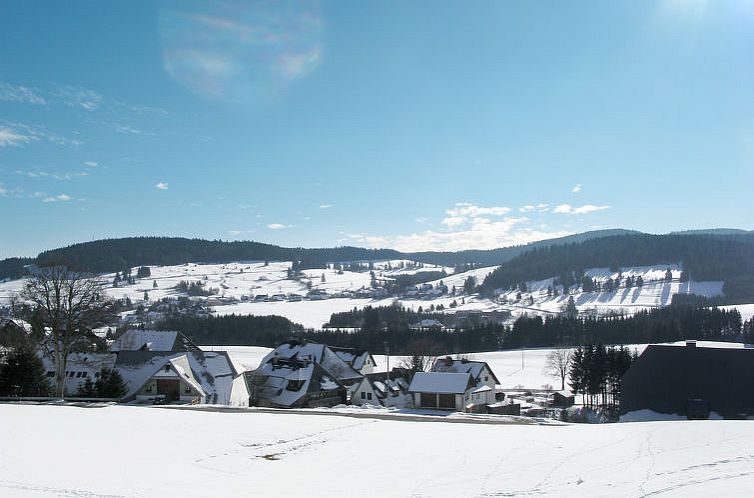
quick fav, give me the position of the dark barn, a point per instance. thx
(691, 381)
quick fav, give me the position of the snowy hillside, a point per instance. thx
(197, 454)
(265, 289)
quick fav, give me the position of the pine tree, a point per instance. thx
(22, 374)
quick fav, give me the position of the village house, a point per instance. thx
(358, 359)
(301, 374)
(79, 368)
(694, 381)
(293, 383)
(481, 373)
(444, 391)
(383, 389)
(197, 377)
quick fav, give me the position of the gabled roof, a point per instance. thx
(443, 383)
(318, 353)
(354, 357)
(147, 340)
(472, 367)
(212, 371)
(284, 382)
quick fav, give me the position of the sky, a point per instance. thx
(413, 125)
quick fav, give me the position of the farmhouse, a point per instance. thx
(383, 389)
(320, 354)
(692, 381)
(293, 383)
(480, 372)
(445, 391)
(181, 377)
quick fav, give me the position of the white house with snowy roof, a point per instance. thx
(294, 383)
(301, 374)
(182, 377)
(79, 368)
(483, 376)
(444, 391)
(360, 360)
(384, 390)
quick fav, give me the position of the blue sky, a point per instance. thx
(414, 125)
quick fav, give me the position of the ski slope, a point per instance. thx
(97, 452)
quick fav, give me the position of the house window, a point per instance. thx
(363, 395)
(369, 395)
(486, 378)
(51, 374)
(187, 390)
(84, 374)
(148, 388)
(167, 368)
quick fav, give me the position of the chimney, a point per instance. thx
(690, 343)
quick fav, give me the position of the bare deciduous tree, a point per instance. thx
(557, 364)
(65, 305)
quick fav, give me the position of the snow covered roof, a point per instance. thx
(474, 368)
(440, 382)
(354, 357)
(284, 382)
(146, 340)
(209, 372)
(318, 353)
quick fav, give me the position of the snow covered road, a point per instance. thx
(118, 451)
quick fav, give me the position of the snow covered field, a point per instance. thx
(120, 451)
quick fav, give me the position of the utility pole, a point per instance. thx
(387, 358)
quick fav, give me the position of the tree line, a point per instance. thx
(703, 257)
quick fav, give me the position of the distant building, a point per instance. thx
(691, 381)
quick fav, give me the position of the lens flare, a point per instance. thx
(240, 52)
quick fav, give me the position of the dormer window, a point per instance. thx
(167, 368)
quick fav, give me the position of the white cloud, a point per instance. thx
(10, 137)
(162, 186)
(126, 129)
(57, 198)
(276, 226)
(91, 164)
(56, 176)
(420, 219)
(464, 212)
(3, 191)
(534, 208)
(20, 94)
(467, 209)
(576, 188)
(585, 209)
(84, 98)
(454, 221)
(325, 206)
